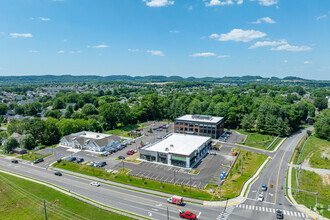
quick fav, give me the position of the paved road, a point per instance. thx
(274, 198)
(142, 204)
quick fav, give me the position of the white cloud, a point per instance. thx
(218, 3)
(75, 51)
(239, 2)
(41, 19)
(158, 3)
(156, 52)
(58, 0)
(133, 50)
(33, 51)
(223, 56)
(321, 17)
(190, 8)
(264, 19)
(61, 51)
(285, 61)
(266, 2)
(174, 31)
(99, 46)
(293, 48)
(16, 35)
(267, 43)
(204, 54)
(307, 62)
(239, 35)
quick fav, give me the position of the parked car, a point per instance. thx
(14, 161)
(212, 153)
(58, 174)
(95, 184)
(264, 187)
(178, 200)
(72, 159)
(130, 152)
(39, 160)
(187, 215)
(91, 164)
(159, 137)
(105, 154)
(80, 160)
(121, 158)
(279, 214)
(260, 198)
(102, 164)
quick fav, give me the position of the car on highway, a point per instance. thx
(39, 160)
(58, 174)
(178, 200)
(95, 184)
(121, 158)
(80, 160)
(260, 198)
(279, 214)
(71, 159)
(264, 187)
(14, 161)
(187, 215)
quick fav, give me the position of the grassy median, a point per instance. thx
(32, 156)
(313, 182)
(257, 140)
(23, 199)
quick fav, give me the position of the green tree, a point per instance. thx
(248, 122)
(322, 125)
(10, 144)
(51, 135)
(89, 109)
(35, 127)
(69, 111)
(321, 103)
(15, 125)
(67, 126)
(28, 141)
(3, 109)
(53, 113)
(58, 103)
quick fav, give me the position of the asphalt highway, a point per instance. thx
(146, 205)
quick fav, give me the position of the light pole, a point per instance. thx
(190, 186)
(174, 177)
(242, 166)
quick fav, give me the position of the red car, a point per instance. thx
(130, 152)
(187, 215)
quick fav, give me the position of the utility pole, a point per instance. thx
(45, 209)
(174, 177)
(220, 190)
(242, 166)
(299, 177)
(168, 217)
(316, 201)
(190, 186)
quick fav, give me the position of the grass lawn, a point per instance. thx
(135, 181)
(4, 125)
(234, 183)
(313, 151)
(32, 156)
(23, 199)
(256, 139)
(123, 131)
(311, 181)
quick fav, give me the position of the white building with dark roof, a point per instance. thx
(86, 140)
(180, 150)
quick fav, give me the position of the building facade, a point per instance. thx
(201, 125)
(179, 150)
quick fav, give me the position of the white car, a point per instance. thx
(95, 184)
(260, 198)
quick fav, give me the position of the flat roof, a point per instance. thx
(200, 118)
(182, 144)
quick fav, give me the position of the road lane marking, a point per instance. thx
(199, 214)
(278, 175)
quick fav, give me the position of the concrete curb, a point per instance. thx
(280, 144)
(300, 207)
(75, 195)
(241, 197)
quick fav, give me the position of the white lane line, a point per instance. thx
(199, 214)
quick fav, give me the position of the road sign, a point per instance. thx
(271, 186)
(287, 187)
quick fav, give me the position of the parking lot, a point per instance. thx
(63, 152)
(209, 169)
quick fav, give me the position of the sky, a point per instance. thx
(200, 38)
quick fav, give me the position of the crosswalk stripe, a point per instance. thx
(298, 214)
(253, 207)
(266, 209)
(284, 212)
(263, 209)
(260, 208)
(303, 215)
(295, 214)
(291, 213)
(239, 205)
(243, 205)
(250, 207)
(273, 210)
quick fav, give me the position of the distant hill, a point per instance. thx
(32, 79)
